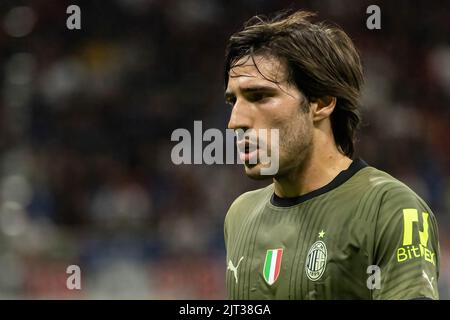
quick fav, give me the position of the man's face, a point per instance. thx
(259, 103)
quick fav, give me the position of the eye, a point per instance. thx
(258, 97)
(230, 101)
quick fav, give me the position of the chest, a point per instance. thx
(298, 257)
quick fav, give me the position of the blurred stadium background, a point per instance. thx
(85, 124)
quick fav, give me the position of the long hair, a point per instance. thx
(321, 61)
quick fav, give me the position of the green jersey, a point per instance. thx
(365, 235)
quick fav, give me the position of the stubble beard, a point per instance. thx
(295, 150)
(295, 155)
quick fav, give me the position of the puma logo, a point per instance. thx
(425, 275)
(233, 269)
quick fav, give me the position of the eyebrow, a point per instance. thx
(250, 89)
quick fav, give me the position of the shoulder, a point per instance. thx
(384, 188)
(381, 198)
(252, 197)
(250, 200)
(390, 204)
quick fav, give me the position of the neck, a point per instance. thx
(318, 169)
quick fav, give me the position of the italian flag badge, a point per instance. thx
(272, 265)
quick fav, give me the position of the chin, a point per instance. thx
(254, 172)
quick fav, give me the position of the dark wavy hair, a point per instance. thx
(321, 61)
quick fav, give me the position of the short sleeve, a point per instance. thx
(406, 247)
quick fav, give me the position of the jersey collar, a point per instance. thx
(342, 177)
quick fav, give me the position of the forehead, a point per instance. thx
(261, 69)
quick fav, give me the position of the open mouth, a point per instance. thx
(248, 152)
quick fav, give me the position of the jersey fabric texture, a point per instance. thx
(365, 235)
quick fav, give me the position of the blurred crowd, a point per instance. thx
(86, 118)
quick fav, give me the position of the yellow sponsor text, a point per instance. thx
(415, 251)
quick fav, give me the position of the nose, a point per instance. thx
(240, 117)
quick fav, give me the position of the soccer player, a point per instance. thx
(329, 226)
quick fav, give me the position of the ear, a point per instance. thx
(323, 107)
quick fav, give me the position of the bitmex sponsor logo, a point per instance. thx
(253, 147)
(411, 252)
(408, 250)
